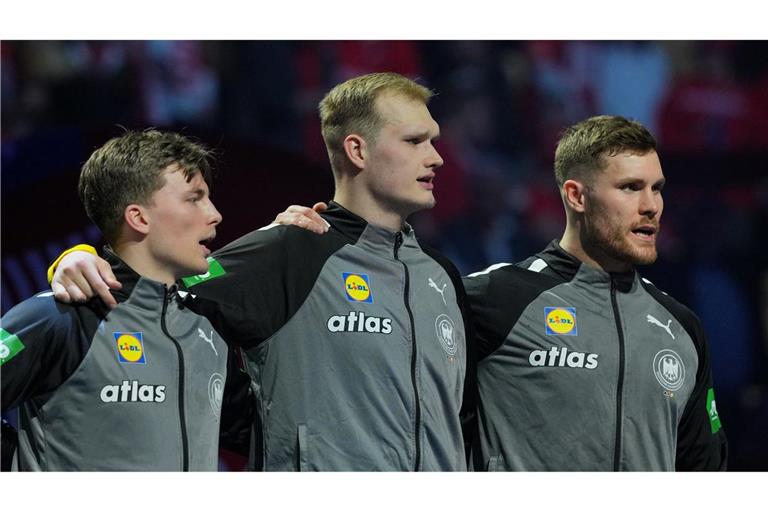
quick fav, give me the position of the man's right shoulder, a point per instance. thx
(43, 306)
(43, 312)
(502, 280)
(266, 256)
(276, 241)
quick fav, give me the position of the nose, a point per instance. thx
(651, 203)
(435, 160)
(215, 216)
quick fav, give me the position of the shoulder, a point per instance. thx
(444, 262)
(276, 242)
(42, 312)
(687, 318)
(507, 280)
(46, 326)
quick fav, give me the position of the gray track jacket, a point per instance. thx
(584, 370)
(135, 388)
(355, 342)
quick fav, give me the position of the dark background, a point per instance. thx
(501, 106)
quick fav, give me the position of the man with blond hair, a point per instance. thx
(355, 341)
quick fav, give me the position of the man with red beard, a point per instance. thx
(584, 365)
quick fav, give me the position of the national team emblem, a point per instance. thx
(357, 287)
(669, 369)
(130, 347)
(560, 321)
(215, 392)
(446, 334)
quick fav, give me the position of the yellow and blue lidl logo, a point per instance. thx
(560, 321)
(357, 287)
(130, 347)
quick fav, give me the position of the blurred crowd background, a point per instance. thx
(501, 106)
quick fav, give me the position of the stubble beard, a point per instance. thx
(610, 239)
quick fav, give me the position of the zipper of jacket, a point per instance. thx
(398, 243)
(182, 417)
(620, 386)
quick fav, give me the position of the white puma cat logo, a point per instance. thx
(209, 340)
(441, 291)
(652, 320)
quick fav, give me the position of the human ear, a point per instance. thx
(355, 149)
(574, 193)
(136, 217)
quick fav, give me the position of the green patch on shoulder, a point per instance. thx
(714, 418)
(10, 345)
(214, 270)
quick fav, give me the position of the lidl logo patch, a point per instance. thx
(10, 345)
(130, 347)
(357, 287)
(560, 321)
(714, 418)
(214, 270)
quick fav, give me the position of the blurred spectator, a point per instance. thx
(706, 107)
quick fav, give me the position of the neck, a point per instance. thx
(361, 203)
(573, 243)
(136, 256)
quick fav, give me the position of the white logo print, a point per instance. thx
(669, 369)
(441, 291)
(209, 340)
(132, 391)
(216, 392)
(713, 411)
(445, 333)
(652, 320)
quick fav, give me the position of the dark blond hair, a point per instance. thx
(350, 108)
(129, 169)
(582, 149)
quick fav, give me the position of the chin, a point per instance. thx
(428, 203)
(198, 268)
(645, 258)
(639, 256)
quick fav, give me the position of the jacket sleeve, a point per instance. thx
(256, 283)
(701, 441)
(42, 344)
(241, 295)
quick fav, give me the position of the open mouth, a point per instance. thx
(205, 242)
(647, 232)
(426, 180)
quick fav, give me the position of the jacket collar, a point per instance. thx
(567, 266)
(353, 226)
(136, 288)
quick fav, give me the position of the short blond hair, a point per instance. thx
(350, 107)
(582, 149)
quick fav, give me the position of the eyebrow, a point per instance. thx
(422, 134)
(626, 181)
